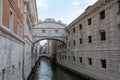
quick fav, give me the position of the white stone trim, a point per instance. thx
(1, 12)
(8, 32)
(11, 21)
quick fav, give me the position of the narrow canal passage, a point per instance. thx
(46, 71)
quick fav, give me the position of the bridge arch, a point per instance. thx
(49, 39)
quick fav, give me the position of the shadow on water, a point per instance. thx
(47, 71)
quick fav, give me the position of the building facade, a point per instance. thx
(18, 55)
(52, 50)
(30, 50)
(44, 50)
(11, 39)
(93, 45)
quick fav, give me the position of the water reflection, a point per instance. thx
(46, 71)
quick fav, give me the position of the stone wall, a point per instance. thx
(11, 58)
(94, 56)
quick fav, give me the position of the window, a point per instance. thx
(102, 14)
(19, 30)
(89, 21)
(89, 39)
(103, 63)
(80, 58)
(103, 35)
(90, 61)
(80, 26)
(74, 58)
(81, 41)
(43, 31)
(56, 31)
(73, 30)
(74, 42)
(11, 21)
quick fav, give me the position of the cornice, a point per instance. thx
(90, 10)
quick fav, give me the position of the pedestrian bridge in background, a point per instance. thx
(49, 29)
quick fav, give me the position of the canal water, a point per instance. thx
(46, 71)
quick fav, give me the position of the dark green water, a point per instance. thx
(46, 71)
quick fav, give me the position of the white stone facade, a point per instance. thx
(11, 56)
(52, 50)
(48, 29)
(31, 52)
(96, 56)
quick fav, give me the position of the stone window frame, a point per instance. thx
(1, 1)
(11, 20)
(19, 32)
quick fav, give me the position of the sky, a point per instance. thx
(64, 10)
(43, 42)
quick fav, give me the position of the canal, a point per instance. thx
(46, 71)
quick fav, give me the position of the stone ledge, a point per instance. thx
(5, 30)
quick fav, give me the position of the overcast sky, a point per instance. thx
(64, 10)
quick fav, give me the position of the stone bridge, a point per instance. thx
(49, 29)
